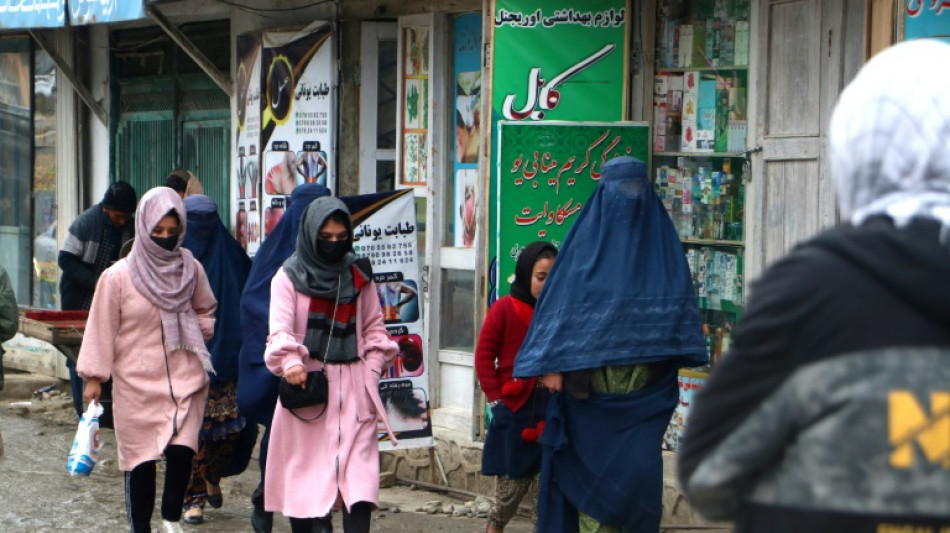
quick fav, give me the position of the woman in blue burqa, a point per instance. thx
(227, 266)
(257, 386)
(615, 321)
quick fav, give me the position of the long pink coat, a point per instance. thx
(310, 463)
(123, 340)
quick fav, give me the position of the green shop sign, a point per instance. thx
(546, 172)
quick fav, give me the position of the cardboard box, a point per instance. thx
(741, 52)
(685, 49)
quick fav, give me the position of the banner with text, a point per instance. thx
(554, 60)
(546, 173)
(384, 230)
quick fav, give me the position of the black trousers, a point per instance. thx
(356, 521)
(140, 488)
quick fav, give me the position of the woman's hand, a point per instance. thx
(553, 382)
(297, 375)
(93, 390)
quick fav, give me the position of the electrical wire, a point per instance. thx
(274, 9)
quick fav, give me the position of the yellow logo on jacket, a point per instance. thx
(909, 424)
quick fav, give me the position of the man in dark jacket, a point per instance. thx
(831, 412)
(90, 247)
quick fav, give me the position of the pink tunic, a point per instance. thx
(153, 407)
(310, 463)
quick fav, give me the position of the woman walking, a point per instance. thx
(150, 317)
(617, 319)
(517, 405)
(226, 264)
(325, 315)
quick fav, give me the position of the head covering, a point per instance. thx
(167, 279)
(311, 274)
(178, 180)
(890, 136)
(257, 386)
(226, 265)
(521, 286)
(121, 197)
(620, 292)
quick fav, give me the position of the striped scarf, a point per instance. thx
(331, 325)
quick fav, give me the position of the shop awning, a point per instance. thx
(23, 14)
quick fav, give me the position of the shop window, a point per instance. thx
(457, 316)
(16, 165)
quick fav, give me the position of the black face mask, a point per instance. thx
(168, 243)
(332, 251)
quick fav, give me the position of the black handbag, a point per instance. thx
(314, 392)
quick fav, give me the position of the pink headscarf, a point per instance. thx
(167, 279)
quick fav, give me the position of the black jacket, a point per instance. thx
(831, 411)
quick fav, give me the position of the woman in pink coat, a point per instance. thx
(324, 314)
(151, 315)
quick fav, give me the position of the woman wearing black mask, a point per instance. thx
(150, 317)
(324, 315)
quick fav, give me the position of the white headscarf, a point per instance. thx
(890, 137)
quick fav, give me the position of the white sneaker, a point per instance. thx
(171, 527)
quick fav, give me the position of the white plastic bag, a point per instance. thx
(85, 451)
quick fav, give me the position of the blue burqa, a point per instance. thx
(227, 266)
(257, 386)
(619, 293)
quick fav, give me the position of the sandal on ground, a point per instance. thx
(195, 515)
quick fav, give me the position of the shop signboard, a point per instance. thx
(468, 126)
(554, 60)
(546, 172)
(922, 19)
(286, 124)
(32, 13)
(99, 11)
(385, 232)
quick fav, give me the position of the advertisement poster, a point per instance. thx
(468, 129)
(286, 134)
(689, 382)
(546, 173)
(923, 19)
(414, 46)
(554, 60)
(384, 230)
(246, 187)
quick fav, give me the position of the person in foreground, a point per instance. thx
(257, 386)
(325, 315)
(517, 405)
(615, 321)
(150, 318)
(226, 264)
(829, 413)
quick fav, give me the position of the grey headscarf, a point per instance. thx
(890, 137)
(311, 274)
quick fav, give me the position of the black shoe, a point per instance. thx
(262, 521)
(323, 525)
(1, 368)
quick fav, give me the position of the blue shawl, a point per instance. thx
(257, 386)
(227, 265)
(620, 291)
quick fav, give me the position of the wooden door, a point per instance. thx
(803, 52)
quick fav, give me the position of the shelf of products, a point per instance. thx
(700, 99)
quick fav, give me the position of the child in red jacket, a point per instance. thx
(517, 405)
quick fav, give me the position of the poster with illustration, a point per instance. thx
(464, 213)
(689, 382)
(385, 232)
(413, 159)
(285, 124)
(245, 168)
(546, 172)
(467, 31)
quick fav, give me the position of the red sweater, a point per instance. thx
(503, 331)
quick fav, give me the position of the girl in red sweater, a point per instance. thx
(517, 405)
